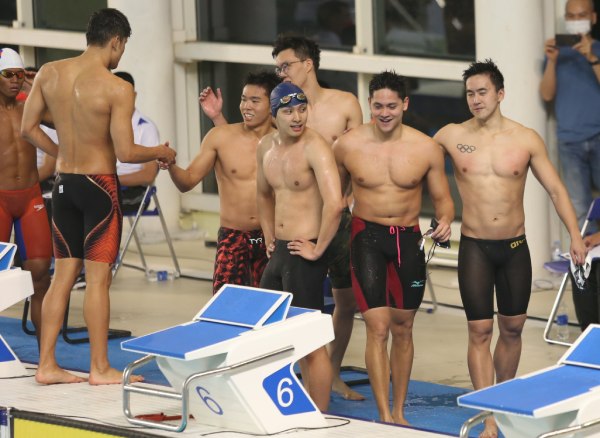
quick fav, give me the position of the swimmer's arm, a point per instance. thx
(265, 198)
(355, 115)
(439, 191)
(212, 105)
(48, 167)
(187, 179)
(546, 174)
(339, 154)
(121, 131)
(321, 160)
(33, 113)
(441, 137)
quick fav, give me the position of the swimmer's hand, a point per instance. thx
(578, 250)
(270, 248)
(304, 248)
(441, 233)
(211, 103)
(166, 156)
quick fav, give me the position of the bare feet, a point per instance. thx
(491, 429)
(401, 420)
(110, 377)
(340, 387)
(56, 375)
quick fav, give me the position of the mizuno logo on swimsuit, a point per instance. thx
(38, 207)
(417, 283)
(516, 243)
(255, 240)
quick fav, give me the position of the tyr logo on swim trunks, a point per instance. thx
(516, 243)
(465, 148)
(254, 241)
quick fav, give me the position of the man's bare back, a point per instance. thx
(488, 164)
(80, 96)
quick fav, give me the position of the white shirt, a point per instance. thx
(40, 153)
(145, 133)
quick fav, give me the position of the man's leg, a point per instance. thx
(345, 303)
(481, 366)
(343, 321)
(378, 322)
(53, 313)
(96, 312)
(40, 275)
(401, 359)
(318, 381)
(576, 174)
(508, 348)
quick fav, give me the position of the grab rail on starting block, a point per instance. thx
(472, 422)
(130, 387)
(568, 430)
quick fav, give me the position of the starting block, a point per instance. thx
(563, 396)
(232, 365)
(16, 285)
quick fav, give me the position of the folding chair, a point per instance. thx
(143, 210)
(563, 267)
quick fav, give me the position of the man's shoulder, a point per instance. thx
(339, 97)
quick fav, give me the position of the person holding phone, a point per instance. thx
(572, 80)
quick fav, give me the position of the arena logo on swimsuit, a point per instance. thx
(516, 243)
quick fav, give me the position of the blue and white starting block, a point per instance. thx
(232, 366)
(563, 396)
(15, 285)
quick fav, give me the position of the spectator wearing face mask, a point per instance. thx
(572, 80)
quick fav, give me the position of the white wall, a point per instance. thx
(149, 58)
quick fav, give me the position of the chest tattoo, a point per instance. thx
(465, 148)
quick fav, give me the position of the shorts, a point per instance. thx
(241, 258)
(25, 209)
(293, 273)
(388, 267)
(86, 217)
(338, 257)
(483, 264)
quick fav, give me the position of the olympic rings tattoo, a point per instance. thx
(465, 148)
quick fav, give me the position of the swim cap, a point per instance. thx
(286, 94)
(10, 59)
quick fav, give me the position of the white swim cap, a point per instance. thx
(10, 59)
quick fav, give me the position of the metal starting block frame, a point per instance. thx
(16, 285)
(555, 401)
(232, 365)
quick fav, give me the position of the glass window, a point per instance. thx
(329, 22)
(8, 13)
(65, 14)
(44, 55)
(429, 28)
(432, 105)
